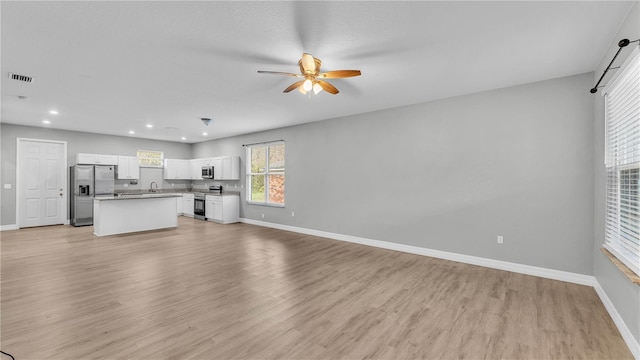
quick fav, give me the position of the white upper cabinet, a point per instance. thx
(230, 168)
(128, 167)
(196, 169)
(207, 162)
(176, 169)
(96, 159)
(217, 168)
(224, 168)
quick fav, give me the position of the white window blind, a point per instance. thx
(622, 161)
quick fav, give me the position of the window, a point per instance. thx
(265, 174)
(622, 161)
(150, 158)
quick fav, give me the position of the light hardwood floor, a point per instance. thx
(209, 291)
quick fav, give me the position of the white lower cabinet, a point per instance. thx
(179, 202)
(218, 214)
(224, 209)
(208, 207)
(187, 205)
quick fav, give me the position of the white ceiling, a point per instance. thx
(111, 67)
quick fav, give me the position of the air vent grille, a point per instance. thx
(18, 77)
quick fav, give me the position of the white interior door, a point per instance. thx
(41, 182)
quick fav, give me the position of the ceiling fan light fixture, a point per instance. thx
(302, 90)
(317, 88)
(308, 85)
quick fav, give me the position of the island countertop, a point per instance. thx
(137, 196)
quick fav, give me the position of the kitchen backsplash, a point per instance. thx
(226, 185)
(149, 175)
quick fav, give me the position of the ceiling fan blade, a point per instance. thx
(337, 74)
(278, 73)
(327, 87)
(307, 63)
(294, 86)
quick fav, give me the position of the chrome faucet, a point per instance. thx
(151, 189)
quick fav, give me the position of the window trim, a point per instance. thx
(266, 174)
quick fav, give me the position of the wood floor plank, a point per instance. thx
(238, 291)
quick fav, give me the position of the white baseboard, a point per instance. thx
(9, 227)
(467, 259)
(628, 337)
(570, 277)
(15, 226)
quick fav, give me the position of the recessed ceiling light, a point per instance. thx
(45, 121)
(53, 112)
(183, 138)
(149, 126)
(204, 134)
(131, 132)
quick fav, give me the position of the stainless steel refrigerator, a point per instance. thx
(87, 181)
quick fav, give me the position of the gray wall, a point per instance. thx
(624, 295)
(449, 175)
(80, 142)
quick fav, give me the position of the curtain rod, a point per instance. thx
(264, 142)
(622, 43)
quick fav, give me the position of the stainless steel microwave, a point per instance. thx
(207, 172)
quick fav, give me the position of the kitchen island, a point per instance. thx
(131, 213)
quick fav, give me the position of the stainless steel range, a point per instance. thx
(198, 206)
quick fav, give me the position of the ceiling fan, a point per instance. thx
(310, 71)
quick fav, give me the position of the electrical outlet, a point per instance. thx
(7, 186)
(263, 216)
(500, 239)
(293, 214)
(125, 185)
